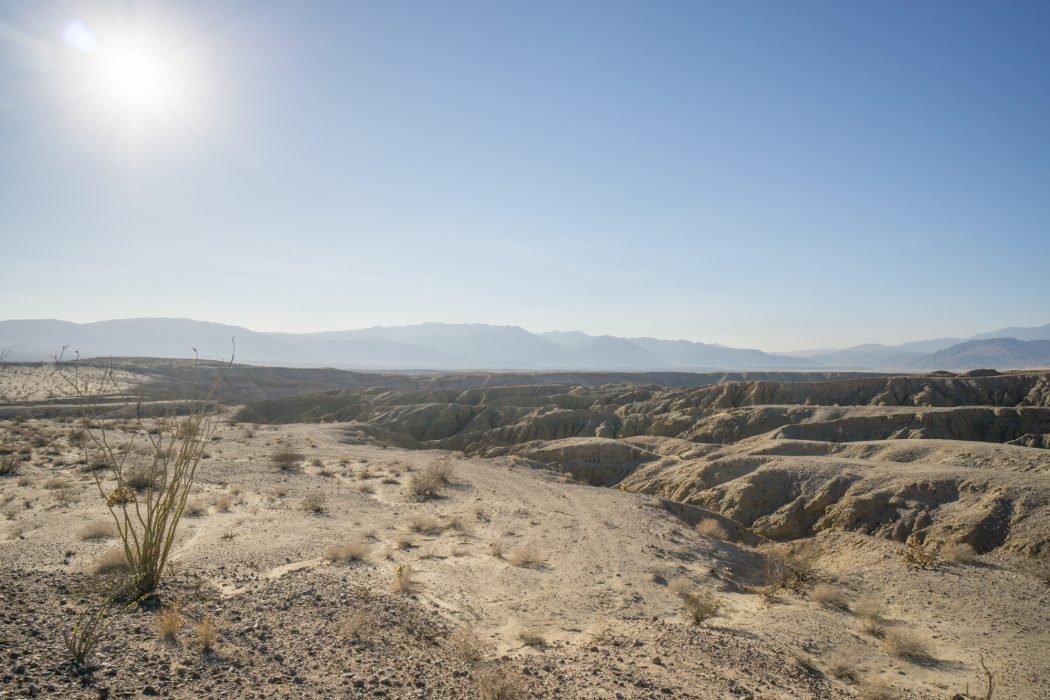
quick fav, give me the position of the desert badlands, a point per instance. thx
(515, 535)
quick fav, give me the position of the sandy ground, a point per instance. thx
(598, 617)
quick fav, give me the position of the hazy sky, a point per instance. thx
(780, 175)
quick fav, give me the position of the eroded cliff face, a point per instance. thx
(940, 458)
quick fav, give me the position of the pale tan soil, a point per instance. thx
(40, 382)
(600, 602)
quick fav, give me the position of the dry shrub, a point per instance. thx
(872, 615)
(442, 470)
(10, 465)
(915, 556)
(120, 496)
(532, 639)
(112, 561)
(501, 683)
(701, 606)
(525, 555)
(425, 485)
(905, 645)
(404, 580)
(709, 527)
(831, 596)
(792, 568)
(404, 542)
(196, 509)
(359, 626)
(207, 634)
(877, 690)
(459, 550)
(365, 487)
(54, 484)
(680, 586)
(1036, 567)
(346, 553)
(315, 503)
(286, 460)
(140, 479)
(223, 504)
(498, 547)
(844, 667)
(168, 622)
(98, 531)
(455, 522)
(466, 646)
(425, 525)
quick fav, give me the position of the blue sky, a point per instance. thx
(774, 175)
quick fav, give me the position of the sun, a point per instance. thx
(136, 80)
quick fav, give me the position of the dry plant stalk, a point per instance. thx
(146, 523)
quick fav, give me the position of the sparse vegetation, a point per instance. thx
(877, 690)
(525, 556)
(1036, 567)
(404, 580)
(905, 645)
(425, 525)
(532, 639)
(358, 626)
(112, 561)
(425, 485)
(346, 553)
(98, 531)
(316, 503)
(831, 596)
(709, 527)
(207, 634)
(791, 568)
(500, 683)
(466, 646)
(844, 667)
(498, 547)
(701, 606)
(285, 460)
(168, 623)
(915, 556)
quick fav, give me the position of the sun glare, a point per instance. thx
(135, 79)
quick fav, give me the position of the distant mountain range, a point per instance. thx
(440, 346)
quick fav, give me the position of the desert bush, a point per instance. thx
(359, 626)
(792, 568)
(905, 645)
(285, 460)
(500, 683)
(532, 639)
(112, 561)
(498, 547)
(207, 634)
(466, 646)
(223, 504)
(709, 527)
(525, 555)
(1036, 567)
(315, 503)
(346, 553)
(10, 465)
(54, 484)
(139, 479)
(196, 509)
(701, 606)
(831, 596)
(425, 525)
(843, 667)
(958, 553)
(877, 690)
(98, 531)
(680, 586)
(424, 486)
(404, 580)
(146, 526)
(915, 556)
(168, 622)
(442, 470)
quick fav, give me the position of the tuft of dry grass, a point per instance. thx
(425, 525)
(404, 580)
(500, 683)
(98, 531)
(196, 509)
(346, 553)
(1036, 567)
(905, 645)
(831, 596)
(206, 634)
(916, 556)
(793, 567)
(466, 646)
(424, 486)
(680, 586)
(526, 555)
(498, 547)
(285, 460)
(315, 503)
(442, 470)
(877, 690)
(844, 667)
(139, 479)
(168, 623)
(958, 553)
(709, 527)
(359, 626)
(701, 606)
(223, 504)
(532, 639)
(10, 465)
(112, 561)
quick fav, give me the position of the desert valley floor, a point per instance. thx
(576, 518)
